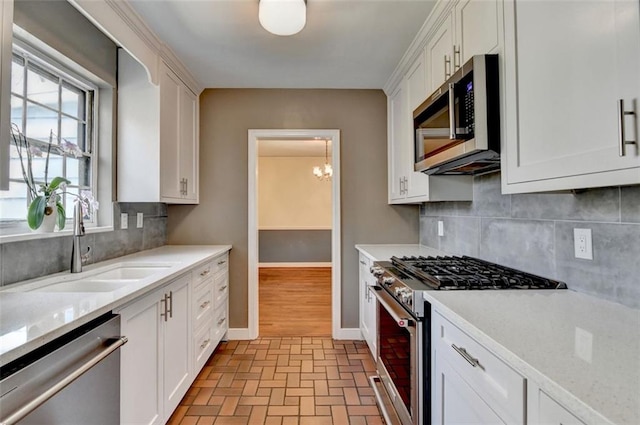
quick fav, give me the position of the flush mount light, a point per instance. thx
(283, 17)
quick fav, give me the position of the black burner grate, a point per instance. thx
(471, 273)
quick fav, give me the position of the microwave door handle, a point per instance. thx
(452, 112)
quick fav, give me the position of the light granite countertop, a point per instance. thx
(29, 320)
(581, 350)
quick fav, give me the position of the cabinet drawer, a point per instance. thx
(221, 290)
(552, 413)
(220, 324)
(203, 304)
(221, 263)
(203, 346)
(200, 274)
(499, 385)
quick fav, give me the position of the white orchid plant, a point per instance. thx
(45, 197)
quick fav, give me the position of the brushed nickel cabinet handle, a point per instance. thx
(465, 355)
(622, 137)
(163, 301)
(204, 273)
(222, 288)
(456, 54)
(221, 321)
(205, 304)
(171, 304)
(221, 262)
(447, 70)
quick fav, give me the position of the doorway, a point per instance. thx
(255, 138)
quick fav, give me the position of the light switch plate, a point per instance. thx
(139, 220)
(124, 220)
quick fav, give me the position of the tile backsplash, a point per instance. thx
(534, 232)
(34, 258)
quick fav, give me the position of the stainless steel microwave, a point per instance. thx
(457, 129)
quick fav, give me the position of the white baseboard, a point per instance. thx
(244, 334)
(239, 334)
(327, 264)
(349, 333)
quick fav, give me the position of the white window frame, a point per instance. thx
(42, 59)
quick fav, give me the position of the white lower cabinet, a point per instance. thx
(172, 331)
(544, 410)
(154, 373)
(456, 402)
(471, 385)
(368, 316)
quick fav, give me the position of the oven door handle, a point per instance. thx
(396, 312)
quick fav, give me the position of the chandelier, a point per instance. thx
(325, 172)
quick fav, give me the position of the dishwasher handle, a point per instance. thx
(60, 385)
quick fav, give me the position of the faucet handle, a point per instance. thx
(86, 256)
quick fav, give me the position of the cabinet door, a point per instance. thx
(6, 36)
(397, 138)
(417, 185)
(477, 29)
(455, 402)
(170, 87)
(439, 54)
(140, 398)
(562, 86)
(189, 143)
(552, 413)
(177, 344)
(367, 326)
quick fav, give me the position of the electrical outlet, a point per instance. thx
(124, 221)
(139, 220)
(440, 228)
(582, 244)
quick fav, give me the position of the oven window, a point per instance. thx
(395, 353)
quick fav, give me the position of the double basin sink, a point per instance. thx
(104, 279)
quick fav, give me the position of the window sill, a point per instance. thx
(33, 236)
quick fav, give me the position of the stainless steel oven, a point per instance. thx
(402, 343)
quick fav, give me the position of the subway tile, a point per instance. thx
(601, 204)
(630, 204)
(523, 244)
(460, 235)
(613, 272)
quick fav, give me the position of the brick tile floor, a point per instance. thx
(283, 381)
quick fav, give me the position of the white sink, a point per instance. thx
(108, 279)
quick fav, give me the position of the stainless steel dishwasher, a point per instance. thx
(74, 379)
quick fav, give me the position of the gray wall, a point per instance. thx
(39, 257)
(294, 246)
(221, 217)
(534, 232)
(62, 27)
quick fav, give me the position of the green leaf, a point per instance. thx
(56, 182)
(62, 218)
(35, 215)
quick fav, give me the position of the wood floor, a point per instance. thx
(295, 301)
(283, 381)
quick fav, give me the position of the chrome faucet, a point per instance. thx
(78, 231)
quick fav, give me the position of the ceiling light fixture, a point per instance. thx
(324, 173)
(283, 17)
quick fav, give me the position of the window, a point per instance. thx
(52, 108)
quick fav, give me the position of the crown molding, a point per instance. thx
(120, 22)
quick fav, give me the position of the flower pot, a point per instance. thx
(48, 222)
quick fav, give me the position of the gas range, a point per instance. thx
(406, 278)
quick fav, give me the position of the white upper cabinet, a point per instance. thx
(6, 37)
(568, 66)
(471, 27)
(159, 125)
(439, 54)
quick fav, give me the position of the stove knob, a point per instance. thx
(406, 298)
(388, 280)
(376, 271)
(399, 292)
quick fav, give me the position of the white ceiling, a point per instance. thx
(345, 44)
(297, 148)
